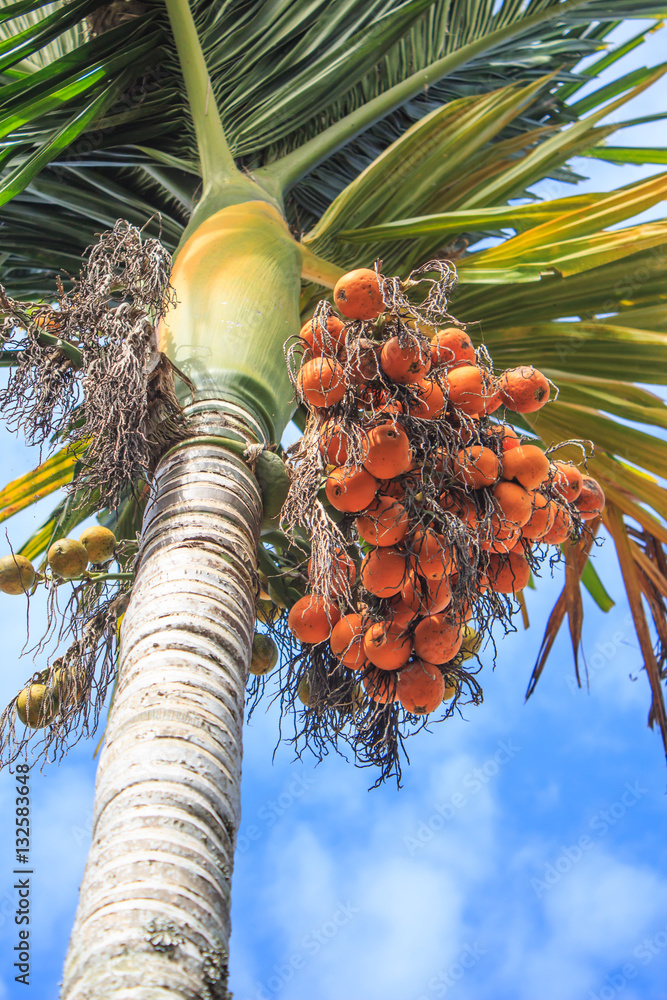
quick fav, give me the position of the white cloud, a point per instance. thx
(604, 905)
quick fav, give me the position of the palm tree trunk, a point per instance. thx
(153, 917)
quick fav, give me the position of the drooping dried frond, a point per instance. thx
(89, 369)
(642, 562)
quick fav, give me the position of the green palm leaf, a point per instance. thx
(48, 477)
(325, 104)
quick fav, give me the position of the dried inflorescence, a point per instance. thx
(76, 683)
(86, 598)
(426, 514)
(89, 369)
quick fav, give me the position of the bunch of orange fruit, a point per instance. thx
(442, 506)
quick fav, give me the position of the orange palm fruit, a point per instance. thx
(383, 571)
(387, 646)
(527, 464)
(391, 409)
(471, 389)
(437, 639)
(363, 361)
(48, 322)
(380, 685)
(388, 453)
(333, 443)
(420, 688)
(435, 558)
(384, 522)
(508, 574)
(501, 528)
(399, 613)
(311, 618)
(350, 489)
(524, 389)
(541, 518)
(590, 502)
(466, 425)
(561, 529)
(452, 347)
(319, 336)
(394, 488)
(347, 641)
(461, 613)
(567, 480)
(476, 466)
(430, 402)
(321, 382)
(343, 570)
(503, 541)
(404, 363)
(493, 402)
(518, 544)
(425, 596)
(514, 503)
(461, 506)
(358, 295)
(506, 435)
(440, 464)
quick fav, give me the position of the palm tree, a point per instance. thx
(271, 146)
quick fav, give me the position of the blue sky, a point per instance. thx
(525, 855)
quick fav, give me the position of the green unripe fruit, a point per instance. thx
(266, 611)
(69, 686)
(99, 543)
(67, 558)
(17, 574)
(274, 482)
(303, 691)
(37, 706)
(279, 603)
(450, 691)
(264, 655)
(472, 641)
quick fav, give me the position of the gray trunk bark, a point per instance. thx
(153, 917)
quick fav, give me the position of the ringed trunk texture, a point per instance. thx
(153, 918)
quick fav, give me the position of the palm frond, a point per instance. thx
(328, 96)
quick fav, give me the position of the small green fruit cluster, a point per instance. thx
(67, 559)
(17, 574)
(37, 706)
(264, 655)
